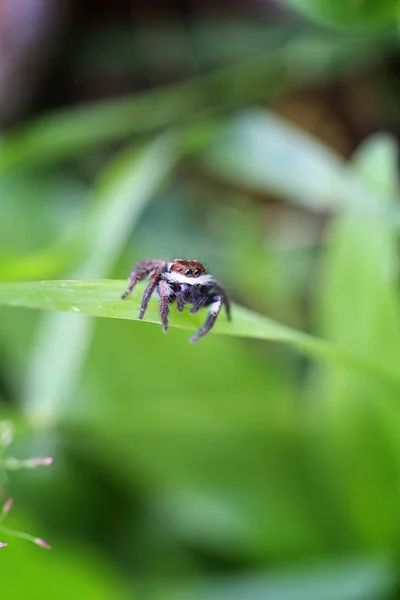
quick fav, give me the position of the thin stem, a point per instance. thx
(19, 534)
(25, 536)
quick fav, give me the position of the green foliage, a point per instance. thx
(352, 581)
(264, 460)
(363, 15)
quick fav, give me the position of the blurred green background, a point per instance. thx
(260, 137)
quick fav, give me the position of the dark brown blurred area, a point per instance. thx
(29, 33)
(56, 54)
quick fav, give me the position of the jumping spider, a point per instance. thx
(183, 281)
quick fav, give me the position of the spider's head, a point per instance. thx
(188, 268)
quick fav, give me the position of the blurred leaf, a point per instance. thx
(65, 133)
(359, 313)
(169, 45)
(37, 265)
(376, 160)
(31, 219)
(123, 191)
(364, 15)
(40, 238)
(360, 306)
(266, 153)
(207, 43)
(352, 580)
(220, 457)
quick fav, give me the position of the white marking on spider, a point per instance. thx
(179, 278)
(215, 307)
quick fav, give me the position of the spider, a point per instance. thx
(183, 281)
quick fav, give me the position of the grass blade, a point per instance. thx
(102, 298)
(265, 153)
(356, 415)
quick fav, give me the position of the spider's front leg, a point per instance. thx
(143, 269)
(214, 310)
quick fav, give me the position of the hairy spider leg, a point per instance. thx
(164, 291)
(180, 302)
(225, 299)
(199, 304)
(141, 270)
(134, 277)
(148, 292)
(215, 308)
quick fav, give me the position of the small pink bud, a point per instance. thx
(2, 545)
(39, 461)
(8, 505)
(42, 543)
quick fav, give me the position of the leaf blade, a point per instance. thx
(101, 298)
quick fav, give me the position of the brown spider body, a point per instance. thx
(183, 282)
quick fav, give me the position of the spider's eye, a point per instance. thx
(179, 270)
(188, 273)
(196, 273)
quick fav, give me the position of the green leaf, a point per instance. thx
(359, 313)
(266, 153)
(36, 265)
(354, 579)
(364, 15)
(102, 299)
